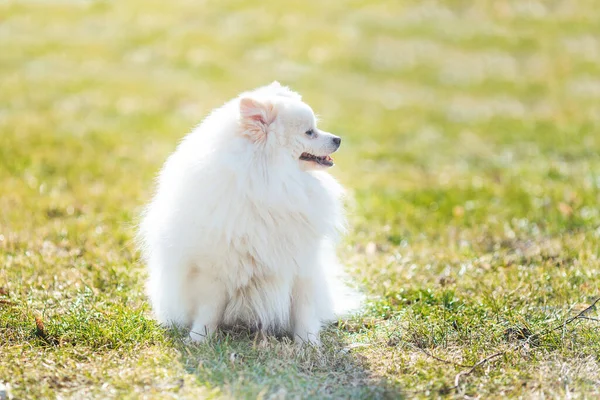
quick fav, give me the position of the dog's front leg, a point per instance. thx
(305, 318)
(210, 298)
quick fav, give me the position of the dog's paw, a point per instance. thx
(197, 337)
(307, 338)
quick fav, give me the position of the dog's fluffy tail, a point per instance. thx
(347, 300)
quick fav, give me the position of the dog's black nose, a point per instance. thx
(337, 141)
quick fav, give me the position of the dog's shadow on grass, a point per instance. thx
(242, 364)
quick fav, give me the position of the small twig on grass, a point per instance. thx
(568, 321)
(580, 315)
(474, 367)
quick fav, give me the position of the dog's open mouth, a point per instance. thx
(325, 161)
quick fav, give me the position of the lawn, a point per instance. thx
(471, 154)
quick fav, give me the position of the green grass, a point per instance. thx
(471, 154)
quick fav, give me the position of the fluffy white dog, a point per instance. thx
(243, 225)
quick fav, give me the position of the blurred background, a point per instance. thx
(425, 93)
(470, 138)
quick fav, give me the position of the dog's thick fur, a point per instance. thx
(240, 229)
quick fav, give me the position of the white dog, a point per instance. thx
(243, 225)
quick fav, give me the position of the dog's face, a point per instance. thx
(276, 119)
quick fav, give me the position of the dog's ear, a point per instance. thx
(256, 116)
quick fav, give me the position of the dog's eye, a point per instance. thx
(310, 132)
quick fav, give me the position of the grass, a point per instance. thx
(471, 154)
